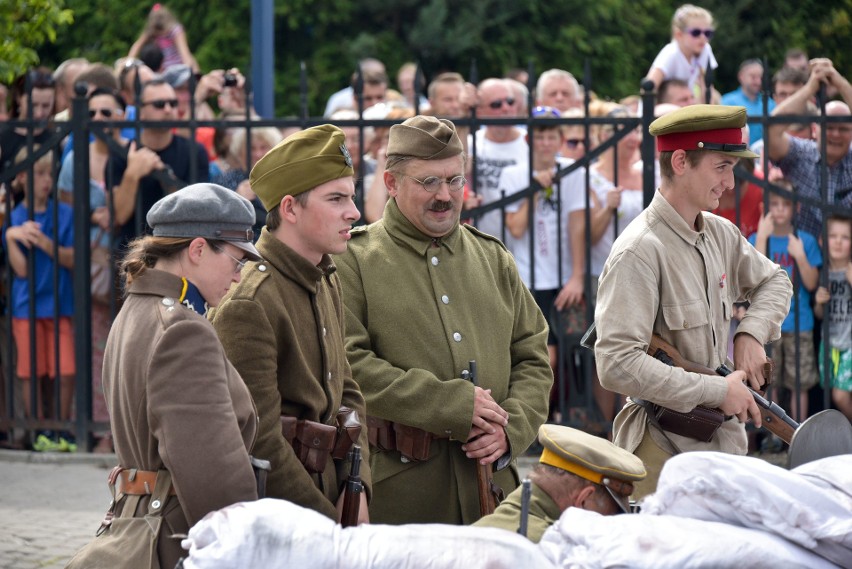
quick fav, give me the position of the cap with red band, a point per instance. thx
(703, 127)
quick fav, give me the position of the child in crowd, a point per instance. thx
(689, 53)
(38, 234)
(838, 297)
(799, 254)
(164, 29)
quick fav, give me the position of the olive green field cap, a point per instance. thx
(301, 162)
(424, 138)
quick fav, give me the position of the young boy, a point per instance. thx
(38, 234)
(838, 297)
(799, 254)
(556, 276)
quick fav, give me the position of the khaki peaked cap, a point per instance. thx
(301, 162)
(424, 138)
(703, 127)
(592, 458)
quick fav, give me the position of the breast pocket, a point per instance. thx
(685, 316)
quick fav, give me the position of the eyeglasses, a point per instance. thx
(573, 142)
(499, 102)
(160, 104)
(696, 32)
(107, 113)
(240, 263)
(433, 183)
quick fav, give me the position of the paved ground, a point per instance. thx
(50, 506)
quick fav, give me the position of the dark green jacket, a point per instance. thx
(282, 328)
(416, 314)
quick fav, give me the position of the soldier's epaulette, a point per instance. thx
(482, 234)
(359, 230)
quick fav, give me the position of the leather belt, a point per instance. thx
(140, 482)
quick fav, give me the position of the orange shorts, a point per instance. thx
(45, 348)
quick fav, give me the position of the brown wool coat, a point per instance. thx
(176, 403)
(282, 327)
(415, 315)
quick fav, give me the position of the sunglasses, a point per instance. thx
(160, 104)
(573, 142)
(499, 102)
(543, 111)
(696, 32)
(106, 113)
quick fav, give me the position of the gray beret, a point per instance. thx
(205, 210)
(422, 137)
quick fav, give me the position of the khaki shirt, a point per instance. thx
(543, 513)
(282, 327)
(417, 311)
(664, 277)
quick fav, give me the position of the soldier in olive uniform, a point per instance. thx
(577, 470)
(425, 295)
(282, 326)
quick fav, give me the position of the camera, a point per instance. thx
(230, 80)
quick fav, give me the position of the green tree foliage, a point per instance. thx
(25, 27)
(618, 38)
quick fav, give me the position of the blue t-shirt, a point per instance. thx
(44, 265)
(754, 108)
(776, 249)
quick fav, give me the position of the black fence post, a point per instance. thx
(646, 150)
(82, 272)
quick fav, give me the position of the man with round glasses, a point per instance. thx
(158, 148)
(424, 296)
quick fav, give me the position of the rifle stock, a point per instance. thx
(774, 418)
(484, 475)
(354, 487)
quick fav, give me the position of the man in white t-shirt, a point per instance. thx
(554, 273)
(497, 146)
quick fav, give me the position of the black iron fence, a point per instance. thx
(21, 415)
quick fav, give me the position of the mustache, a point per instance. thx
(440, 206)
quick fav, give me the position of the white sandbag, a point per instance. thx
(581, 539)
(811, 506)
(270, 533)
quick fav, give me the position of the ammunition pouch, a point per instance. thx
(313, 442)
(412, 443)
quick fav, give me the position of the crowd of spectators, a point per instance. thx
(131, 168)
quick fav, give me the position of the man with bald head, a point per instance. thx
(800, 159)
(425, 295)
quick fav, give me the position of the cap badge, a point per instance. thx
(346, 156)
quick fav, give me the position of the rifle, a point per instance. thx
(526, 491)
(484, 473)
(775, 419)
(354, 487)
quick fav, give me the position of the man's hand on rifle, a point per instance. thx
(487, 447)
(750, 358)
(738, 400)
(363, 512)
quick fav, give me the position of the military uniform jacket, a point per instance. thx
(175, 402)
(664, 277)
(543, 513)
(282, 327)
(417, 311)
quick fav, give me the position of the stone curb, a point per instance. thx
(102, 460)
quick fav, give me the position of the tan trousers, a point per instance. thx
(654, 457)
